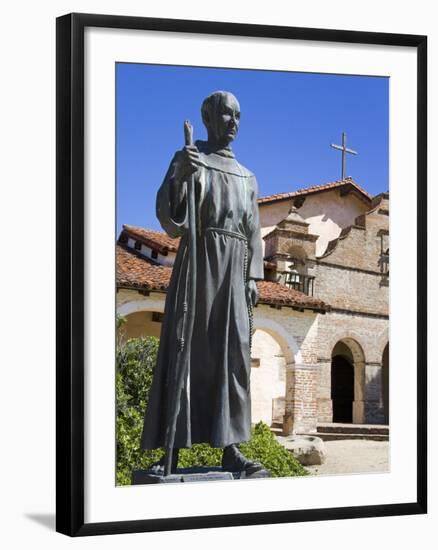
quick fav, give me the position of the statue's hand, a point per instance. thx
(253, 293)
(187, 162)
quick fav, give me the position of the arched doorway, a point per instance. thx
(385, 384)
(347, 382)
(274, 354)
(268, 379)
(141, 324)
(342, 379)
(143, 315)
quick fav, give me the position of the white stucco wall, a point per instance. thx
(268, 380)
(327, 213)
(271, 214)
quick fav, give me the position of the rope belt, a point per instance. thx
(226, 232)
(245, 273)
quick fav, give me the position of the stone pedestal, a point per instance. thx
(190, 475)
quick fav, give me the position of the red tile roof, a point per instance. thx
(137, 272)
(276, 294)
(316, 189)
(155, 239)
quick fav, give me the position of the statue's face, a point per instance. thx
(226, 120)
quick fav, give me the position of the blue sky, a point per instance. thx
(288, 121)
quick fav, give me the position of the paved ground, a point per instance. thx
(349, 457)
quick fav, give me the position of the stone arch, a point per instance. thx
(139, 315)
(291, 355)
(382, 342)
(146, 303)
(268, 379)
(290, 350)
(286, 341)
(347, 351)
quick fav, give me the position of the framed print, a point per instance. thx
(232, 348)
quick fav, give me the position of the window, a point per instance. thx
(384, 262)
(137, 245)
(297, 281)
(384, 253)
(154, 254)
(293, 277)
(384, 267)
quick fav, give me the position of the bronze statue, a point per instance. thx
(201, 387)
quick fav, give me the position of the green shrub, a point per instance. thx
(135, 361)
(264, 448)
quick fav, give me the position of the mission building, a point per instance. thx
(320, 351)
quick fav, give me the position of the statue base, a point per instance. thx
(189, 475)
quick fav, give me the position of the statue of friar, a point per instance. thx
(214, 404)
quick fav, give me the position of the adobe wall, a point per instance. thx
(360, 247)
(351, 289)
(351, 276)
(327, 213)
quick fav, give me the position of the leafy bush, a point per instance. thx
(135, 361)
(264, 448)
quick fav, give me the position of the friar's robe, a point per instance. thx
(215, 404)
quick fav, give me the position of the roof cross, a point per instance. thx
(344, 150)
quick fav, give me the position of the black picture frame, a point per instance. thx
(70, 272)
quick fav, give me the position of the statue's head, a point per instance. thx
(221, 116)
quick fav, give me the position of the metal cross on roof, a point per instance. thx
(344, 150)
